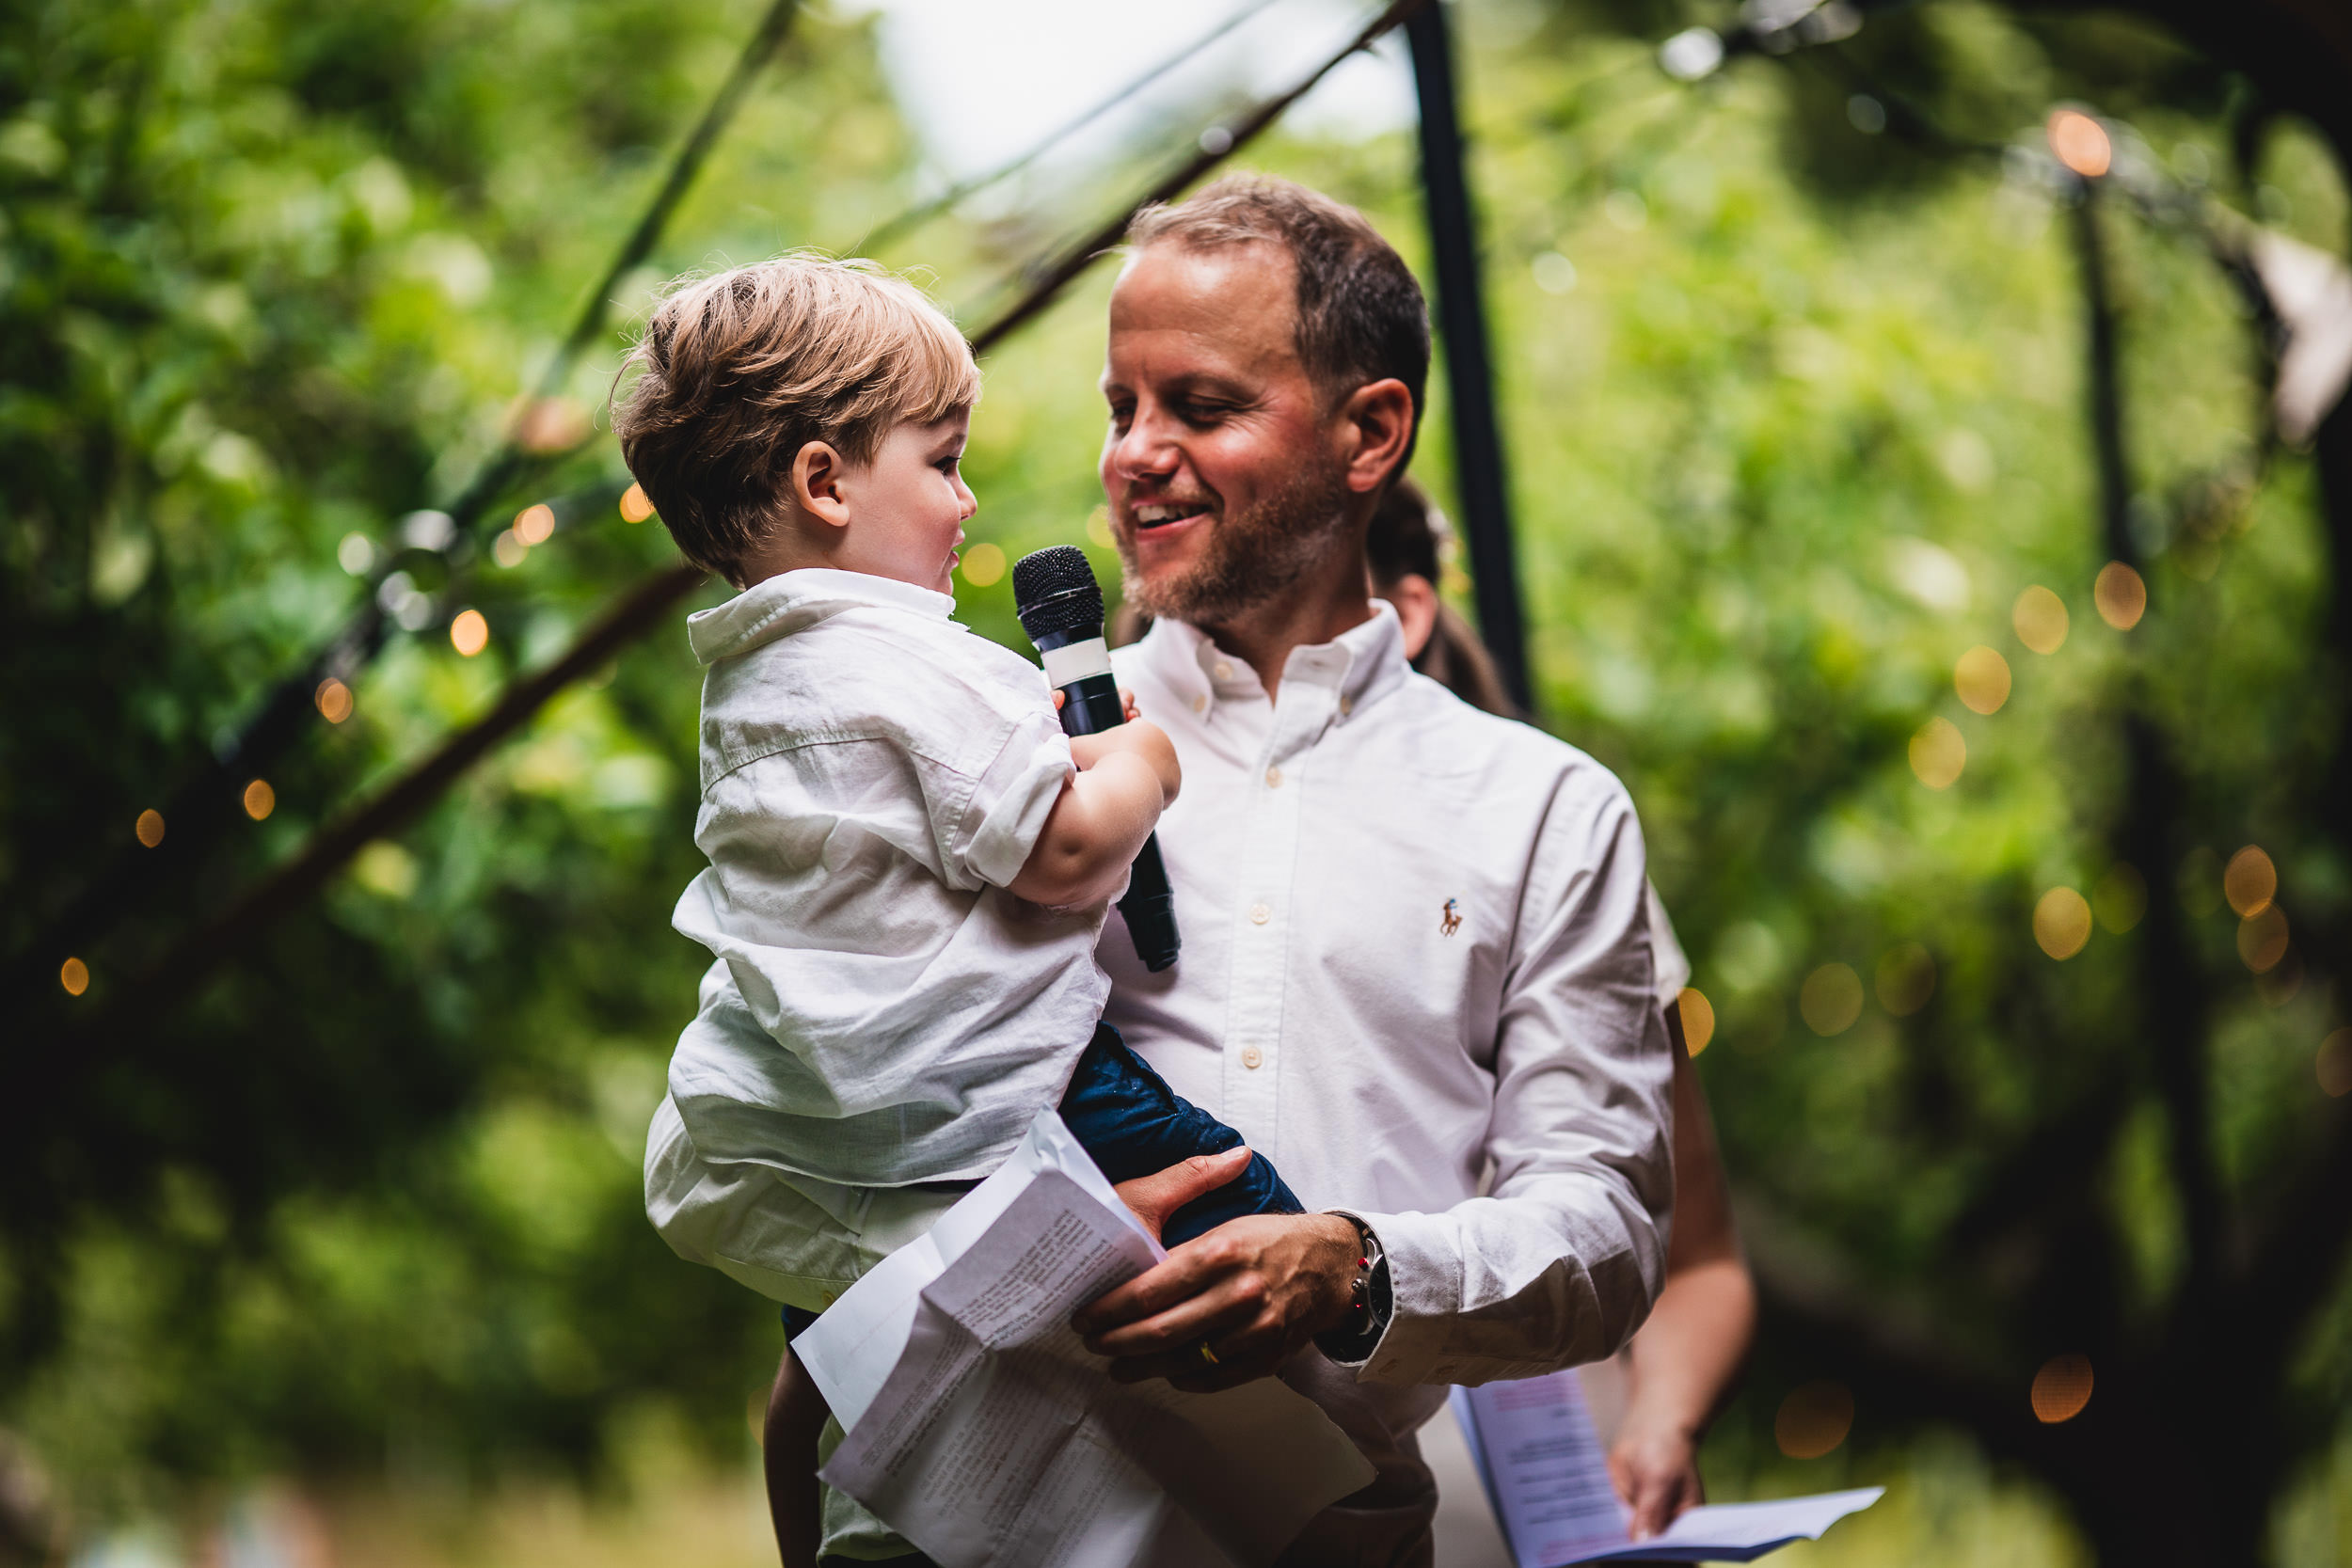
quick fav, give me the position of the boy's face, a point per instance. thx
(909, 505)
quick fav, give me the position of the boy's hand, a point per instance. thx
(1126, 701)
(1142, 739)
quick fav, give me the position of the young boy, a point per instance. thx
(909, 862)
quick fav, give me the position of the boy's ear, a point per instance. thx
(817, 474)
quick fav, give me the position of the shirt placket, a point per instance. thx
(1269, 871)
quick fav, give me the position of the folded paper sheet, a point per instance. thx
(981, 1430)
(1548, 1478)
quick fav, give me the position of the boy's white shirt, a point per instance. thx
(880, 1011)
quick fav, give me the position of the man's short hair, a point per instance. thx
(1361, 317)
(737, 371)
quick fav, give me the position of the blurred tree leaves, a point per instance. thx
(1795, 415)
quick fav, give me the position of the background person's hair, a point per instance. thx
(1361, 317)
(1410, 537)
(735, 372)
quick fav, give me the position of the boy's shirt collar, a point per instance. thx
(793, 601)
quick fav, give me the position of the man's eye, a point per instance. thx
(948, 464)
(1201, 413)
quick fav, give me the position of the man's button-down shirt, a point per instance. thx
(1415, 943)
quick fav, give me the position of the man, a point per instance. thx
(1416, 951)
(1416, 945)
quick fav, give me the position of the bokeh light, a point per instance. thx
(2261, 940)
(1906, 978)
(1099, 529)
(636, 506)
(1698, 1019)
(2335, 1064)
(1938, 753)
(1982, 678)
(354, 553)
(259, 800)
(552, 425)
(2062, 1389)
(535, 524)
(1831, 999)
(2120, 898)
(150, 827)
(2121, 596)
(469, 633)
(2081, 142)
(74, 975)
(1814, 1420)
(2250, 882)
(983, 565)
(333, 699)
(507, 550)
(2039, 618)
(2061, 922)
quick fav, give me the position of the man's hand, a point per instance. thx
(1155, 1196)
(1657, 1474)
(1255, 1289)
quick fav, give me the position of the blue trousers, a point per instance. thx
(1126, 1117)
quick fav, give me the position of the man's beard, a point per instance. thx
(1251, 557)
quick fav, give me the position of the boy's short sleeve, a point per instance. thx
(1010, 800)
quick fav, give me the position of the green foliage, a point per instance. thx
(1795, 414)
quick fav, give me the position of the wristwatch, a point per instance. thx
(1371, 1303)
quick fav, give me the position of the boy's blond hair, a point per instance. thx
(737, 371)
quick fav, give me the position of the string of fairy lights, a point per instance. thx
(395, 599)
(2079, 160)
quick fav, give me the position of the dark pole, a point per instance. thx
(1462, 330)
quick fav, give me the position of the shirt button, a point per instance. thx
(1200, 705)
(1252, 1058)
(1223, 671)
(1348, 705)
(1260, 914)
(1274, 778)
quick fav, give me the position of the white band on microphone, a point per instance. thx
(1075, 661)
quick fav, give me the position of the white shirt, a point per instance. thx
(1318, 848)
(1416, 941)
(882, 1011)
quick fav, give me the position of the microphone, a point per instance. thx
(1060, 606)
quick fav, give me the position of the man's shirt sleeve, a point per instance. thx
(1560, 1264)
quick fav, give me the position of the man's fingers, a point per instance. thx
(1226, 1306)
(1155, 1197)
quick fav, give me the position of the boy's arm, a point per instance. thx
(1127, 776)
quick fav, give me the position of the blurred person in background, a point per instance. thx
(1680, 1368)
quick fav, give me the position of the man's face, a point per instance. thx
(1223, 463)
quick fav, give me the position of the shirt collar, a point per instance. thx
(794, 601)
(1361, 665)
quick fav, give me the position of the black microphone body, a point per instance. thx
(1060, 606)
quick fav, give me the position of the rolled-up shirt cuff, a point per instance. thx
(1425, 1292)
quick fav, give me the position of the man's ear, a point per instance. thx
(1378, 417)
(817, 474)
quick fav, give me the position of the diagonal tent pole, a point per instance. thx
(922, 212)
(1480, 478)
(199, 810)
(1054, 275)
(194, 960)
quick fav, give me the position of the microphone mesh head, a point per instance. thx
(1054, 591)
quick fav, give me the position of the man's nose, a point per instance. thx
(1145, 451)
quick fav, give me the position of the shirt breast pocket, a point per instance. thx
(1414, 946)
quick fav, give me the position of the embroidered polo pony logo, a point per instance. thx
(1453, 921)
